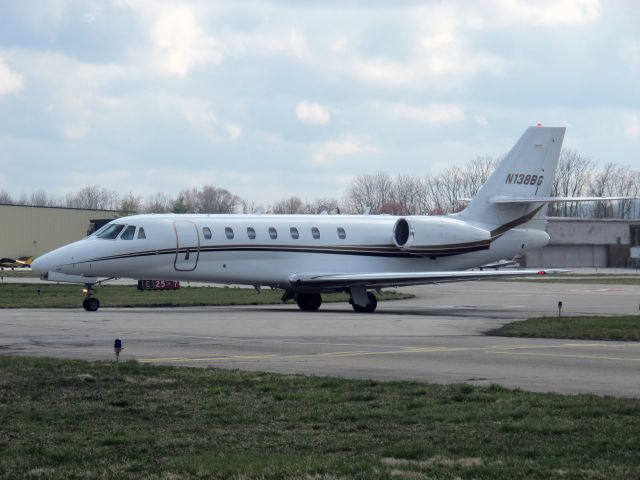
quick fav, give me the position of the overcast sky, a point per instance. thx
(278, 98)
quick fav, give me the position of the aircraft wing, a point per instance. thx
(396, 279)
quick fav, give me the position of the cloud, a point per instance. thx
(631, 55)
(234, 131)
(77, 93)
(182, 42)
(10, 81)
(331, 151)
(76, 132)
(286, 41)
(203, 119)
(481, 119)
(633, 126)
(441, 55)
(538, 12)
(312, 112)
(437, 113)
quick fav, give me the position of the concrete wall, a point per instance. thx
(584, 243)
(565, 231)
(568, 256)
(32, 231)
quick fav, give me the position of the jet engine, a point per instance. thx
(437, 236)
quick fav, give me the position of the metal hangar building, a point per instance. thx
(32, 231)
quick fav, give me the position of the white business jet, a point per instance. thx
(307, 255)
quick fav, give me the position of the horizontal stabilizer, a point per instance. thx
(557, 199)
(396, 279)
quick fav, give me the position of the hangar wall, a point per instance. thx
(33, 231)
(581, 242)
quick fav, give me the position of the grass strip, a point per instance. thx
(624, 327)
(72, 419)
(25, 295)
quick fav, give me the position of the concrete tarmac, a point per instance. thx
(436, 337)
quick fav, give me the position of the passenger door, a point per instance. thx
(187, 246)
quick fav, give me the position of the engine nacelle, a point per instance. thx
(437, 236)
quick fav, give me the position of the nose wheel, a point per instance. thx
(90, 303)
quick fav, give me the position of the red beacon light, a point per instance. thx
(542, 272)
(538, 124)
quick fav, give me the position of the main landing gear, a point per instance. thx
(369, 307)
(311, 301)
(308, 302)
(90, 303)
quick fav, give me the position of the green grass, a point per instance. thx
(72, 419)
(25, 295)
(625, 327)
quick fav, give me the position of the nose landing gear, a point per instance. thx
(90, 303)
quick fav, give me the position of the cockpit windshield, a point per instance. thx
(128, 233)
(109, 231)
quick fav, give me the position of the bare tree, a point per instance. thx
(217, 200)
(180, 205)
(158, 203)
(291, 205)
(209, 200)
(571, 180)
(247, 206)
(446, 191)
(93, 197)
(131, 203)
(369, 191)
(410, 196)
(613, 181)
(39, 198)
(628, 185)
(5, 197)
(321, 205)
(477, 172)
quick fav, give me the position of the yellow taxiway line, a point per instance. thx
(495, 349)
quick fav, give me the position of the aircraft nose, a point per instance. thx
(51, 261)
(41, 264)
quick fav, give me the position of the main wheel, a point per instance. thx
(309, 302)
(91, 304)
(369, 307)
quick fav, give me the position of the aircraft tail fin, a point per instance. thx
(526, 175)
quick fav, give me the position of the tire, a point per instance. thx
(369, 307)
(309, 302)
(91, 304)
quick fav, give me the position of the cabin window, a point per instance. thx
(228, 231)
(141, 234)
(315, 232)
(273, 233)
(251, 233)
(294, 233)
(206, 231)
(110, 231)
(128, 233)
(341, 233)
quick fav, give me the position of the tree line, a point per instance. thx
(377, 193)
